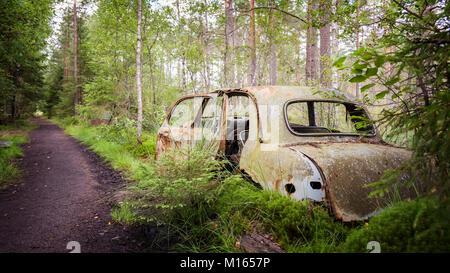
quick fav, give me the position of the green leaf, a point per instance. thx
(381, 94)
(380, 60)
(395, 96)
(371, 71)
(358, 52)
(392, 81)
(357, 65)
(339, 62)
(366, 57)
(357, 71)
(367, 87)
(358, 78)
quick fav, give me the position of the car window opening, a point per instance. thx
(327, 117)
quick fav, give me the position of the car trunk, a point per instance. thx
(347, 168)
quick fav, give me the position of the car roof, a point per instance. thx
(281, 94)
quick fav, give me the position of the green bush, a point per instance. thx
(176, 187)
(422, 225)
(121, 131)
(69, 121)
(145, 149)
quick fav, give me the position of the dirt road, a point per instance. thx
(63, 197)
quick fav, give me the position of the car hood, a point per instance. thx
(347, 168)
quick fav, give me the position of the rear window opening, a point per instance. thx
(327, 118)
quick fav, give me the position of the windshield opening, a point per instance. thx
(327, 117)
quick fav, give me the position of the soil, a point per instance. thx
(62, 197)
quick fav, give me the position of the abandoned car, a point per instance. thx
(302, 142)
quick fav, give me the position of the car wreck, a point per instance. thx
(303, 142)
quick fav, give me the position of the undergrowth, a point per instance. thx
(15, 134)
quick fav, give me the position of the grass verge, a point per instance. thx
(15, 134)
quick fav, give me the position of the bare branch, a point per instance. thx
(280, 10)
(407, 10)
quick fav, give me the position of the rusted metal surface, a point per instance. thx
(328, 168)
(184, 136)
(347, 168)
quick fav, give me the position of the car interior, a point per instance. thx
(238, 124)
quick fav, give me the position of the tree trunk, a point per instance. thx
(65, 66)
(325, 66)
(13, 107)
(227, 59)
(152, 77)
(127, 69)
(357, 42)
(335, 46)
(138, 73)
(273, 52)
(208, 68)
(334, 51)
(75, 56)
(183, 56)
(311, 46)
(252, 66)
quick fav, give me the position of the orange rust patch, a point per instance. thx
(277, 184)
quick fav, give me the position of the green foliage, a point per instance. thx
(124, 215)
(24, 28)
(68, 121)
(8, 170)
(58, 96)
(15, 134)
(421, 225)
(178, 187)
(413, 75)
(121, 131)
(146, 148)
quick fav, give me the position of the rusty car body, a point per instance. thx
(280, 136)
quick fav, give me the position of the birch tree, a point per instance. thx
(138, 73)
(75, 57)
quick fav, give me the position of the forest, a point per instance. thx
(109, 71)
